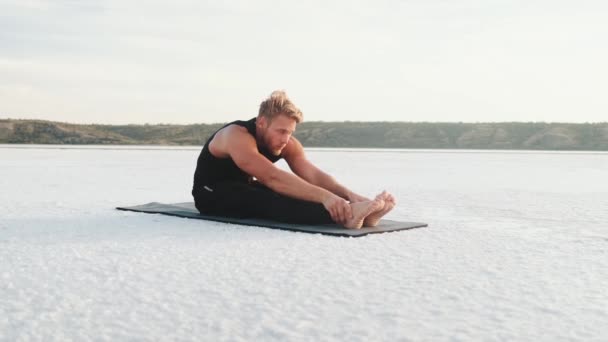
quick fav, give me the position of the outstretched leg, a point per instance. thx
(389, 203)
(243, 200)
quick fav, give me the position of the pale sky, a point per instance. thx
(197, 61)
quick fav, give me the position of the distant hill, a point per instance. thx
(504, 135)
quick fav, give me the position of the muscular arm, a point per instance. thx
(235, 142)
(300, 165)
(242, 148)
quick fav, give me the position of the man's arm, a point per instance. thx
(242, 148)
(301, 166)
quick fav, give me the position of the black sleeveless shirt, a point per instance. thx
(210, 169)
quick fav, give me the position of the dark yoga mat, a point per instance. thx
(188, 210)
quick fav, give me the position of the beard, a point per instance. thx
(264, 144)
(275, 151)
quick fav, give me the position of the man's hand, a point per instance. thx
(353, 197)
(338, 208)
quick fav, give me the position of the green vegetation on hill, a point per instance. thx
(504, 135)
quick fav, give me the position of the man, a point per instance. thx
(235, 175)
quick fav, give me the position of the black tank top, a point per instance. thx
(210, 169)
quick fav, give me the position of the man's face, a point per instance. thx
(275, 134)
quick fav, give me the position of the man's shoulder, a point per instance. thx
(232, 132)
(293, 149)
(229, 136)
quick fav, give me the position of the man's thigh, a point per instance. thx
(237, 199)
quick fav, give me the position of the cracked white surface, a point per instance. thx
(517, 249)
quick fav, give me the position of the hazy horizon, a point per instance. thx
(119, 62)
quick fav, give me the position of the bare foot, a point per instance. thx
(374, 218)
(361, 210)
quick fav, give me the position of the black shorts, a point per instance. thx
(254, 200)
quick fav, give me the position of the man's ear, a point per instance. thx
(261, 121)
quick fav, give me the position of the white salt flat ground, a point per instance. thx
(517, 249)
